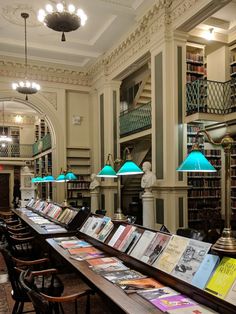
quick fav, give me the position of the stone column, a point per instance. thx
(95, 200)
(148, 210)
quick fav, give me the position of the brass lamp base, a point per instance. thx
(119, 216)
(226, 243)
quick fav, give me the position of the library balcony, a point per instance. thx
(210, 100)
(42, 145)
(16, 151)
(135, 120)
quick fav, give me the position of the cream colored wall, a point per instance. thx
(218, 65)
(27, 135)
(78, 105)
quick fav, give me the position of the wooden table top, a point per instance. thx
(126, 303)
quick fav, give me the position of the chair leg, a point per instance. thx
(20, 308)
(14, 310)
(88, 304)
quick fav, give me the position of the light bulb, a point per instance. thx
(3, 145)
(60, 7)
(14, 86)
(27, 84)
(41, 15)
(208, 35)
(80, 12)
(71, 8)
(49, 8)
(21, 84)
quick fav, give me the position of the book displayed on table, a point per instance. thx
(171, 254)
(124, 237)
(155, 247)
(116, 235)
(191, 260)
(116, 276)
(97, 227)
(231, 295)
(223, 278)
(196, 309)
(76, 251)
(142, 244)
(205, 270)
(74, 244)
(105, 260)
(85, 256)
(173, 302)
(143, 284)
(103, 269)
(159, 292)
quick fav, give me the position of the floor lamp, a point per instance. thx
(128, 168)
(196, 162)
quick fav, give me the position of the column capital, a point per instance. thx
(103, 83)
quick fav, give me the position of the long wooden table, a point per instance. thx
(39, 229)
(116, 297)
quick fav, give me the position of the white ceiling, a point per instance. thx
(108, 21)
(13, 107)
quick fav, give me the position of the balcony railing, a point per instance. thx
(135, 120)
(16, 150)
(42, 145)
(211, 97)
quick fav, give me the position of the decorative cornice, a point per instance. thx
(16, 69)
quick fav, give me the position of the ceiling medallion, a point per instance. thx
(26, 87)
(62, 18)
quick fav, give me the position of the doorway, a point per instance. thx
(4, 191)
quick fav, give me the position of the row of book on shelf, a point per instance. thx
(194, 265)
(54, 211)
(184, 258)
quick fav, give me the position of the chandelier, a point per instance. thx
(3, 137)
(26, 87)
(62, 18)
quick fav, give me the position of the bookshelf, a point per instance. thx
(15, 135)
(195, 62)
(233, 186)
(41, 129)
(78, 161)
(233, 78)
(204, 193)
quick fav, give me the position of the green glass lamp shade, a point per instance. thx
(37, 179)
(129, 168)
(196, 162)
(70, 176)
(61, 178)
(107, 172)
(48, 179)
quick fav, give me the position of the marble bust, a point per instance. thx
(148, 178)
(94, 182)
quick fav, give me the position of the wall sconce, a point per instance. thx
(196, 162)
(128, 168)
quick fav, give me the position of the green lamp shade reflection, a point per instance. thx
(48, 179)
(196, 162)
(107, 171)
(61, 178)
(70, 176)
(129, 168)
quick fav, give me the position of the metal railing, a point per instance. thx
(211, 97)
(42, 145)
(135, 120)
(16, 150)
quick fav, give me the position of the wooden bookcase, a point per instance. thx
(183, 287)
(195, 62)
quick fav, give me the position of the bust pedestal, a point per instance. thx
(148, 209)
(27, 187)
(94, 200)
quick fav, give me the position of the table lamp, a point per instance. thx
(36, 180)
(48, 179)
(64, 177)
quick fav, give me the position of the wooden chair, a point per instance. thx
(51, 285)
(46, 304)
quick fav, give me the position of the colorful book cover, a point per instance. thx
(87, 256)
(106, 268)
(79, 250)
(136, 235)
(116, 235)
(142, 244)
(173, 302)
(155, 248)
(74, 244)
(223, 278)
(191, 260)
(157, 293)
(205, 271)
(86, 225)
(231, 295)
(126, 237)
(133, 285)
(196, 309)
(104, 223)
(105, 260)
(123, 275)
(105, 231)
(171, 254)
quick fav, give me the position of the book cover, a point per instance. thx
(231, 295)
(196, 309)
(191, 259)
(136, 235)
(86, 225)
(123, 275)
(224, 273)
(103, 269)
(173, 302)
(155, 248)
(116, 235)
(104, 223)
(205, 270)
(105, 260)
(61, 239)
(79, 250)
(142, 244)
(133, 285)
(123, 237)
(157, 293)
(74, 244)
(105, 231)
(171, 254)
(83, 256)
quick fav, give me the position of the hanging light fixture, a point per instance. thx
(4, 139)
(62, 18)
(26, 87)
